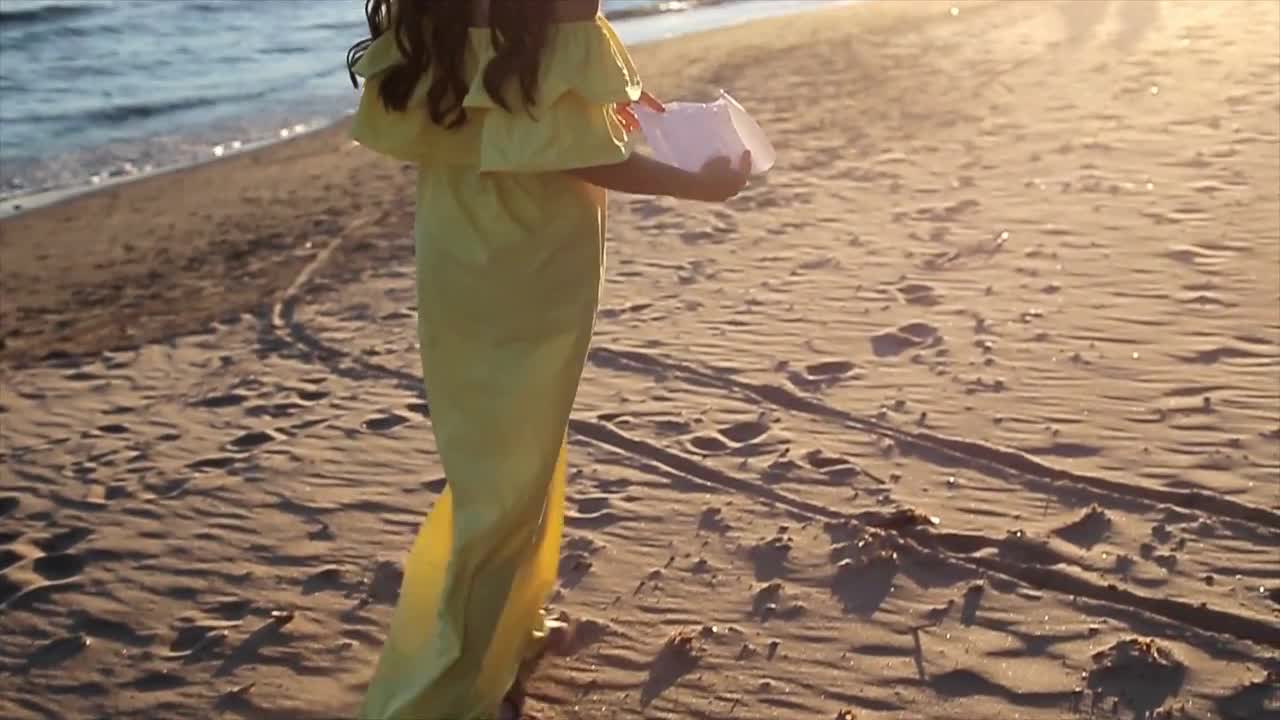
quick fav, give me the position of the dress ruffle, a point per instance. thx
(585, 70)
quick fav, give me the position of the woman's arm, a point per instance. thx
(718, 180)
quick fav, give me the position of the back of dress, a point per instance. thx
(509, 251)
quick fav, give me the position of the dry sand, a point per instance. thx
(971, 411)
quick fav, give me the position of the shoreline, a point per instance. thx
(129, 253)
(650, 28)
(16, 205)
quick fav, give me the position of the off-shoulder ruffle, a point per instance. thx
(585, 70)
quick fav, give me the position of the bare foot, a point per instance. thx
(559, 641)
(560, 635)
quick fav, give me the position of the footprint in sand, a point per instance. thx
(25, 579)
(770, 556)
(912, 335)
(251, 440)
(65, 540)
(823, 374)
(102, 628)
(593, 513)
(836, 467)
(673, 427)
(574, 567)
(744, 432)
(56, 652)
(228, 608)
(312, 396)
(384, 423)
(1087, 530)
(9, 558)
(217, 402)
(709, 445)
(275, 411)
(198, 640)
(918, 294)
(712, 520)
(58, 566)
(326, 578)
(216, 462)
(750, 438)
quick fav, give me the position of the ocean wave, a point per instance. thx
(355, 23)
(11, 16)
(216, 6)
(142, 110)
(125, 112)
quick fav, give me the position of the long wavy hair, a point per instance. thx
(433, 34)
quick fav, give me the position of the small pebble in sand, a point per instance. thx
(773, 648)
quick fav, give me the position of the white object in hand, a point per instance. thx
(689, 134)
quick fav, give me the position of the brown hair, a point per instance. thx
(433, 33)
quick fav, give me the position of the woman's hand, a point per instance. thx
(719, 179)
(640, 174)
(626, 114)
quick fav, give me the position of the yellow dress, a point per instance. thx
(510, 251)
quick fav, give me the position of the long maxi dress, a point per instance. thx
(510, 252)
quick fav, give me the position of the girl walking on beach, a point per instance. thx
(516, 113)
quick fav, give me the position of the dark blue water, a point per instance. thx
(94, 89)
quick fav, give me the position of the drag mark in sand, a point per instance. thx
(909, 531)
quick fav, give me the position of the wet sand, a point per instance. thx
(972, 410)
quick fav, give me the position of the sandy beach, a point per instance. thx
(970, 410)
